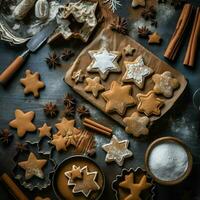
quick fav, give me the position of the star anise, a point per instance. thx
(149, 13)
(120, 25)
(51, 110)
(83, 111)
(69, 100)
(5, 136)
(66, 54)
(21, 147)
(53, 60)
(69, 111)
(143, 32)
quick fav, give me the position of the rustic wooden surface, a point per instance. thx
(181, 121)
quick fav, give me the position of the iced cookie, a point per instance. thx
(136, 125)
(128, 50)
(165, 84)
(118, 98)
(78, 76)
(23, 122)
(94, 86)
(32, 83)
(86, 184)
(104, 62)
(33, 167)
(136, 72)
(149, 103)
(117, 151)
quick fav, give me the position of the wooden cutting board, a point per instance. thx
(116, 42)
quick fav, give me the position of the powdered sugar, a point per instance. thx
(168, 161)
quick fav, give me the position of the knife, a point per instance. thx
(33, 44)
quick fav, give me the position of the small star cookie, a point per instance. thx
(59, 142)
(94, 86)
(73, 174)
(118, 98)
(128, 50)
(136, 3)
(104, 62)
(154, 38)
(136, 125)
(33, 167)
(23, 122)
(165, 84)
(136, 72)
(117, 150)
(45, 130)
(32, 83)
(149, 104)
(87, 184)
(78, 76)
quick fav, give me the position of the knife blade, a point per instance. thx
(32, 45)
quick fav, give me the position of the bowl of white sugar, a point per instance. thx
(168, 160)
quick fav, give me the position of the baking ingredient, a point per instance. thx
(168, 161)
(120, 25)
(42, 9)
(53, 60)
(23, 8)
(51, 110)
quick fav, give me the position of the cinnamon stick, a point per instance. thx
(176, 39)
(192, 45)
(96, 126)
(13, 188)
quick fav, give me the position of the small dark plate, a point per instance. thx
(63, 191)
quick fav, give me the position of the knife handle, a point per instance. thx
(13, 67)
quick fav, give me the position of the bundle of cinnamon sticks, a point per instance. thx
(177, 37)
(192, 45)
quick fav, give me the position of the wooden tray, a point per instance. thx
(116, 42)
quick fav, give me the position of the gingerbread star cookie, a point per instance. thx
(128, 50)
(94, 86)
(32, 83)
(78, 76)
(136, 3)
(23, 122)
(45, 130)
(73, 174)
(66, 127)
(165, 84)
(87, 184)
(134, 188)
(59, 142)
(149, 103)
(118, 98)
(104, 62)
(136, 125)
(33, 166)
(136, 72)
(154, 38)
(117, 150)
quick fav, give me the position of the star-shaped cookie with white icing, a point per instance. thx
(118, 98)
(104, 62)
(117, 150)
(136, 72)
